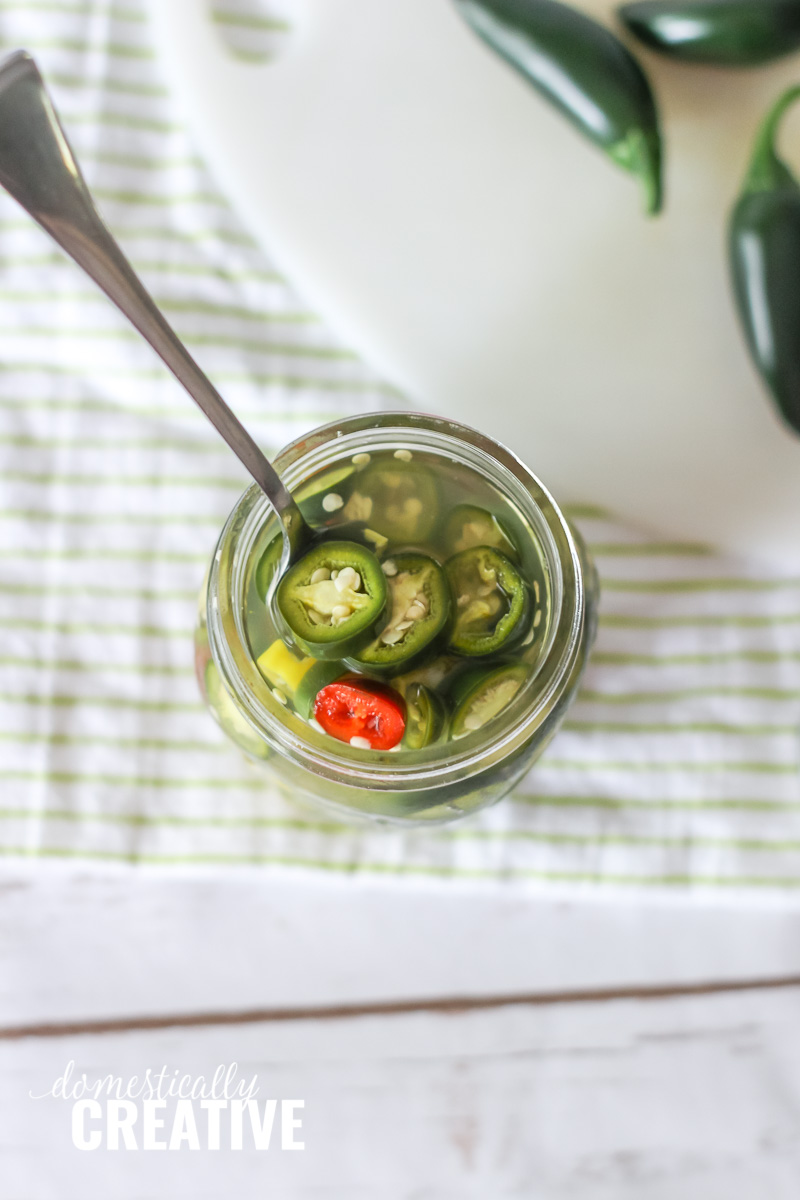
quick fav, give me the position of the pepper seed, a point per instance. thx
(537, 619)
(403, 455)
(358, 507)
(361, 460)
(359, 743)
(332, 501)
(389, 568)
(390, 637)
(347, 578)
(320, 575)
(415, 612)
(340, 613)
(279, 696)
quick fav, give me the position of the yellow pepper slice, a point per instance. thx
(281, 668)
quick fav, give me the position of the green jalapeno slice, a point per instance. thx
(433, 672)
(396, 497)
(469, 526)
(419, 606)
(325, 494)
(267, 565)
(332, 599)
(425, 717)
(314, 680)
(492, 602)
(228, 716)
(325, 503)
(480, 696)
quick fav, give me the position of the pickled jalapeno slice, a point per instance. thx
(325, 495)
(395, 496)
(492, 602)
(365, 714)
(432, 671)
(324, 501)
(268, 564)
(469, 526)
(228, 717)
(332, 599)
(425, 716)
(479, 696)
(418, 610)
(315, 679)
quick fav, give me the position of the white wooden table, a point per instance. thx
(652, 1049)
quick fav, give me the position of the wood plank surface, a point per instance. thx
(77, 947)
(656, 1057)
(696, 1098)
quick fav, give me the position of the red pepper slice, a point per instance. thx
(348, 709)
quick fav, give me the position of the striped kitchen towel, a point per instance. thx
(678, 767)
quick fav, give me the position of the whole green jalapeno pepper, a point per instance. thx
(585, 71)
(332, 599)
(418, 610)
(724, 33)
(764, 250)
(492, 602)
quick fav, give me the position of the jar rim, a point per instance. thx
(235, 661)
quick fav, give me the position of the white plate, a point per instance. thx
(496, 267)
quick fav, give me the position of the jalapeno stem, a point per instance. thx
(640, 154)
(767, 171)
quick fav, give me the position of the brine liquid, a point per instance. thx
(416, 515)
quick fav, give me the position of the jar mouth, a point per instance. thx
(444, 762)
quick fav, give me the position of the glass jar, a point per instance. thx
(447, 779)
